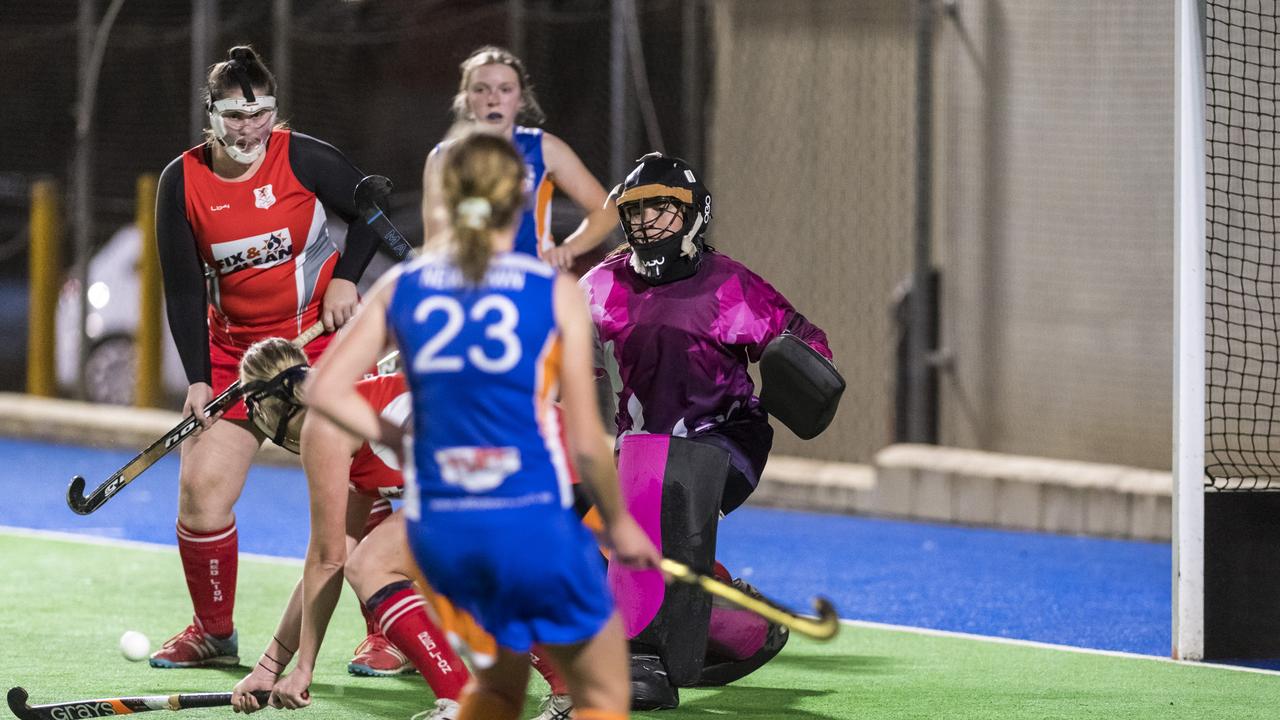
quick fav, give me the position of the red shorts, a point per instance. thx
(225, 360)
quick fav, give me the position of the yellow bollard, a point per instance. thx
(149, 387)
(44, 278)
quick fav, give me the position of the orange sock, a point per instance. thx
(597, 714)
(481, 704)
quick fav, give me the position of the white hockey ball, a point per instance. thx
(135, 646)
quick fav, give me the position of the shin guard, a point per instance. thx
(740, 642)
(672, 486)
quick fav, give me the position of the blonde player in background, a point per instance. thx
(495, 96)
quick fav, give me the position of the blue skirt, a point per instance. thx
(528, 575)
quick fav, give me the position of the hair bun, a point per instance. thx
(242, 54)
(474, 212)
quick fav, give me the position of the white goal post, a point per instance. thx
(1189, 336)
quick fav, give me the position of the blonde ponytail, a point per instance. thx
(484, 191)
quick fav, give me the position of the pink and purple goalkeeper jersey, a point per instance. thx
(682, 349)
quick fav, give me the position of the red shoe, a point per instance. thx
(377, 657)
(195, 648)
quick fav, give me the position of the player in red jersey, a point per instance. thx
(240, 226)
(348, 479)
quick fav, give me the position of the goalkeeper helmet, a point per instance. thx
(665, 211)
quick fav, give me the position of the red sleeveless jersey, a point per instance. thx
(374, 470)
(266, 242)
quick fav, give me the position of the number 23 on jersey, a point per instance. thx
(440, 354)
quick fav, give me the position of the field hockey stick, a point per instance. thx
(106, 707)
(83, 505)
(823, 627)
(371, 190)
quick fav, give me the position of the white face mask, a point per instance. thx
(243, 126)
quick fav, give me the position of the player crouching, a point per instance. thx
(349, 480)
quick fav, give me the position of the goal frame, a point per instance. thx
(1189, 334)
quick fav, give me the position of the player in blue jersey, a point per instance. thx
(494, 96)
(490, 337)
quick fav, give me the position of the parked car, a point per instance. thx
(111, 366)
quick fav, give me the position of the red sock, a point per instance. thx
(543, 665)
(370, 624)
(402, 615)
(381, 510)
(209, 560)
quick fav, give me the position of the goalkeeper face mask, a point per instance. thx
(274, 407)
(660, 251)
(664, 210)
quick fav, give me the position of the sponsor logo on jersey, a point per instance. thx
(258, 251)
(477, 469)
(263, 197)
(216, 208)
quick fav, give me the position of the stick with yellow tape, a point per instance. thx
(823, 627)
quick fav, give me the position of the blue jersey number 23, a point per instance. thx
(430, 357)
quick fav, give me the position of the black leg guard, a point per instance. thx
(673, 488)
(720, 670)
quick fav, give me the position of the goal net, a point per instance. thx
(1242, 270)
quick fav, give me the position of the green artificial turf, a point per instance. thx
(64, 605)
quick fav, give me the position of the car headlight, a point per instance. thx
(99, 295)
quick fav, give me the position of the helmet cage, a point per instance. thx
(633, 201)
(283, 389)
(658, 227)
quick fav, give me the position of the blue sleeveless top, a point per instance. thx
(534, 234)
(482, 364)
